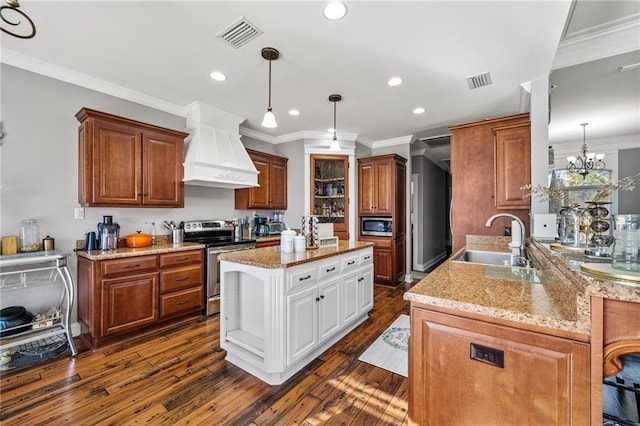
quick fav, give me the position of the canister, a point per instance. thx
(48, 244)
(299, 243)
(286, 240)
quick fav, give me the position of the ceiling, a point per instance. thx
(161, 53)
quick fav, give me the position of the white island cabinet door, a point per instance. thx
(302, 323)
(329, 309)
(365, 289)
(350, 302)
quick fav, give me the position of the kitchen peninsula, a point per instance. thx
(279, 311)
(537, 344)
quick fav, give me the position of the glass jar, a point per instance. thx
(29, 235)
(626, 247)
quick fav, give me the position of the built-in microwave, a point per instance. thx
(376, 226)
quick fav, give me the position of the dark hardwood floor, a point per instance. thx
(181, 377)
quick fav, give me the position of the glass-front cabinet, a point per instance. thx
(330, 192)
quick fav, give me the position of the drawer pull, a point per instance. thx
(182, 278)
(182, 259)
(137, 265)
(361, 279)
(183, 302)
(351, 263)
(322, 296)
(331, 269)
(305, 278)
(367, 257)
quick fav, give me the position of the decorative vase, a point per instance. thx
(600, 243)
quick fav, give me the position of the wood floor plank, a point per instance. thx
(179, 376)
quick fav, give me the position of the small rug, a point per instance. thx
(390, 351)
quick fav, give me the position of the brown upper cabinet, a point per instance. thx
(126, 163)
(490, 161)
(272, 178)
(513, 165)
(381, 185)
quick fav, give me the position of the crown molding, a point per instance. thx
(601, 44)
(402, 140)
(13, 58)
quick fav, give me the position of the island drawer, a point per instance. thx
(329, 269)
(350, 262)
(179, 278)
(302, 277)
(366, 258)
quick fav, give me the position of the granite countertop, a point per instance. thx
(140, 251)
(273, 258)
(556, 306)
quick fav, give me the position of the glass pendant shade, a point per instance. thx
(269, 120)
(335, 145)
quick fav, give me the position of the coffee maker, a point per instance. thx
(261, 227)
(108, 234)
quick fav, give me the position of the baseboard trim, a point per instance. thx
(432, 262)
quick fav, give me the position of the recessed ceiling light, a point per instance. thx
(418, 110)
(335, 10)
(218, 76)
(294, 112)
(394, 81)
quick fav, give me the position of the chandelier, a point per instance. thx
(6, 12)
(586, 161)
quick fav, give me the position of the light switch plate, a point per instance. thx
(78, 213)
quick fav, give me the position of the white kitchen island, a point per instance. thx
(279, 311)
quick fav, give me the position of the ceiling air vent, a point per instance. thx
(239, 33)
(479, 80)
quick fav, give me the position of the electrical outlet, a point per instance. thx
(506, 231)
(78, 213)
(487, 355)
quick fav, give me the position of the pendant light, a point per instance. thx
(586, 161)
(270, 54)
(335, 146)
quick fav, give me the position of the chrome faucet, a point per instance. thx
(513, 245)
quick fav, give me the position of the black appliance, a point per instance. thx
(261, 227)
(218, 237)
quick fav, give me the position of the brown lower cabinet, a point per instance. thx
(388, 259)
(118, 298)
(468, 372)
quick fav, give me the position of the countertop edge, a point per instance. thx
(124, 252)
(273, 258)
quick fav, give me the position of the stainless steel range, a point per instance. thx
(218, 236)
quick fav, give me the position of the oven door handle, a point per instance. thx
(228, 250)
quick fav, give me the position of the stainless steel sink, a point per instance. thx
(485, 257)
(501, 265)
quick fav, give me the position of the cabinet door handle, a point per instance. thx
(367, 257)
(182, 302)
(351, 263)
(361, 279)
(317, 299)
(182, 278)
(331, 269)
(322, 296)
(137, 265)
(305, 278)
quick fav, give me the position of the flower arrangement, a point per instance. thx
(544, 193)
